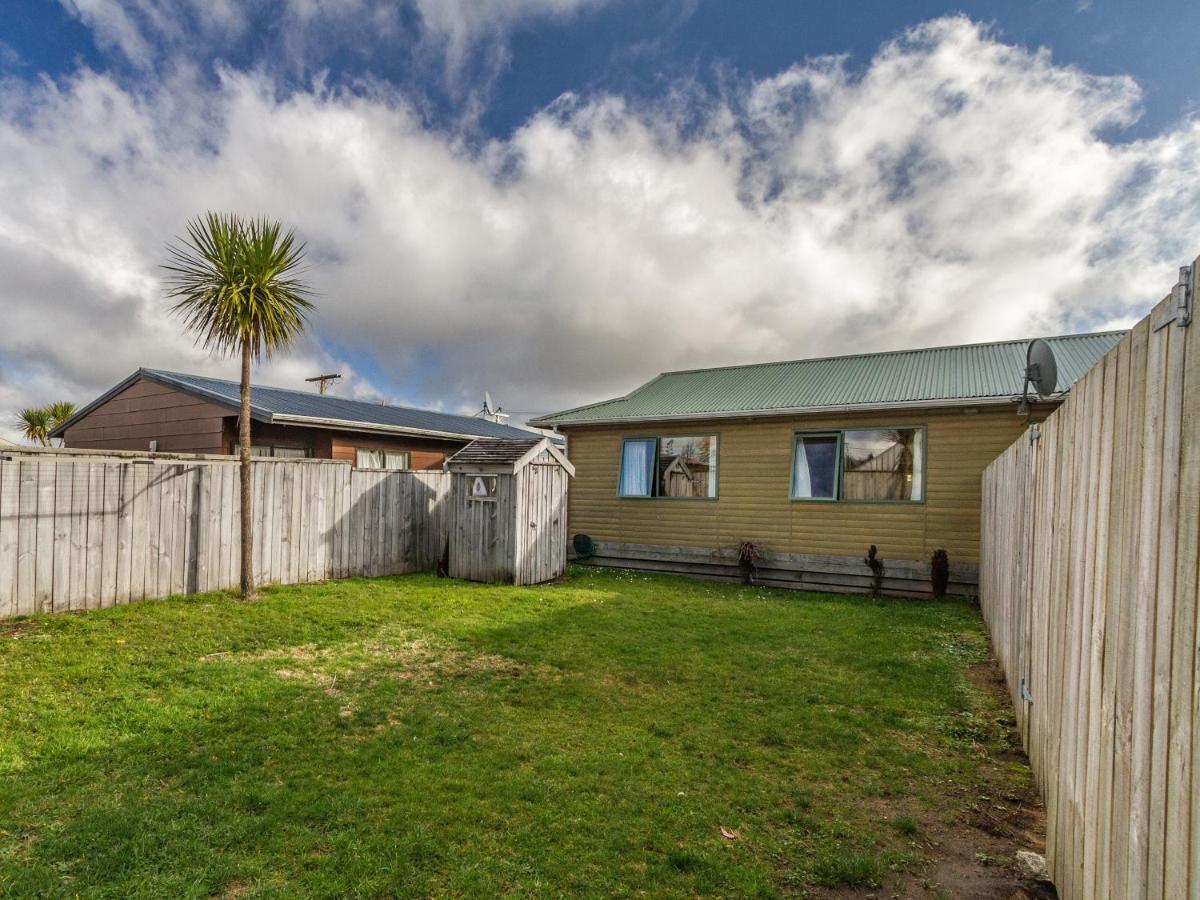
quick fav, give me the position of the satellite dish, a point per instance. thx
(487, 403)
(1041, 369)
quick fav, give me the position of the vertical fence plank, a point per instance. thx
(10, 495)
(118, 484)
(235, 563)
(1181, 868)
(1099, 779)
(109, 550)
(27, 528)
(139, 501)
(89, 518)
(46, 511)
(61, 588)
(80, 474)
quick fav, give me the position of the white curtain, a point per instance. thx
(637, 459)
(802, 477)
(368, 459)
(918, 455)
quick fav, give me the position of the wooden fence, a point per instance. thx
(1088, 582)
(84, 531)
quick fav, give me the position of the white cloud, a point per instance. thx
(460, 25)
(957, 189)
(147, 31)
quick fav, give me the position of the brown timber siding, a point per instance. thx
(424, 453)
(146, 411)
(754, 483)
(326, 443)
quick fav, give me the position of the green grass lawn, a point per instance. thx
(421, 736)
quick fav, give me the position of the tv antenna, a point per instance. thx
(1041, 373)
(491, 410)
(323, 381)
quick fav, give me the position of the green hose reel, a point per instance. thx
(585, 548)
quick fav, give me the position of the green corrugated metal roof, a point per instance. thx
(936, 375)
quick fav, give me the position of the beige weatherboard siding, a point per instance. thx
(754, 460)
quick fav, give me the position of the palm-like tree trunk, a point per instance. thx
(247, 498)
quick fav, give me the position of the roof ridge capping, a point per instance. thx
(871, 354)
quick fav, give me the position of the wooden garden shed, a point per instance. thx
(508, 511)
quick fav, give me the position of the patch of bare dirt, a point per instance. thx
(236, 890)
(16, 629)
(969, 847)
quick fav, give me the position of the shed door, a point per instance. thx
(481, 542)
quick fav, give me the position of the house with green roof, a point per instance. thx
(791, 471)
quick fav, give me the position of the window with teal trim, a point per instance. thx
(637, 467)
(682, 466)
(815, 467)
(867, 464)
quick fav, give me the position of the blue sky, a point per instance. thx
(636, 47)
(555, 199)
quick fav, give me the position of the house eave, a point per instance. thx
(350, 425)
(799, 411)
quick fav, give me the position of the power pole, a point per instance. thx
(323, 381)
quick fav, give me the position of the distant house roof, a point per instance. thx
(967, 373)
(289, 407)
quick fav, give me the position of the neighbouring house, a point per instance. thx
(173, 412)
(812, 461)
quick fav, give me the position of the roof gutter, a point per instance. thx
(350, 425)
(793, 411)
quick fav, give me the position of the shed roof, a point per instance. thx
(935, 376)
(507, 454)
(291, 407)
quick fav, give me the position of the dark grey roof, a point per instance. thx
(284, 406)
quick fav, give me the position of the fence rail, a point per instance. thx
(1088, 583)
(83, 532)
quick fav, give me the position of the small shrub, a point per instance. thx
(749, 555)
(939, 572)
(875, 564)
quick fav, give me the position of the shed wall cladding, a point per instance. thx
(754, 484)
(145, 411)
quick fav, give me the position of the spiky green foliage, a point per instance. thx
(35, 424)
(60, 411)
(237, 283)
